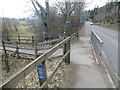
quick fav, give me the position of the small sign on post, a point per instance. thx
(40, 72)
(82, 19)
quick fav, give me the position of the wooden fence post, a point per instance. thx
(19, 38)
(65, 49)
(32, 40)
(6, 57)
(17, 50)
(35, 49)
(76, 32)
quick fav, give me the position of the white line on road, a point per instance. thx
(110, 33)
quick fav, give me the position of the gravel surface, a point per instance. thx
(14, 67)
(32, 81)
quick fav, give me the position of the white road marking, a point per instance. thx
(110, 34)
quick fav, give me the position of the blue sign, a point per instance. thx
(67, 22)
(82, 17)
(40, 72)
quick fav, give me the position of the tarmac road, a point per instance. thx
(110, 42)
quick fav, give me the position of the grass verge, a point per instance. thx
(110, 26)
(21, 31)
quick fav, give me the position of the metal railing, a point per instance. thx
(97, 44)
(96, 39)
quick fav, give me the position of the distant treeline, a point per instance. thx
(106, 14)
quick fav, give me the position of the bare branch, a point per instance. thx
(71, 11)
(36, 9)
(42, 9)
(61, 8)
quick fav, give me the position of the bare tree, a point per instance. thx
(5, 27)
(43, 14)
(71, 12)
(8, 26)
(51, 22)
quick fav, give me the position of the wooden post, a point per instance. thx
(6, 58)
(35, 49)
(19, 38)
(45, 75)
(17, 50)
(77, 32)
(2, 57)
(32, 40)
(68, 18)
(66, 48)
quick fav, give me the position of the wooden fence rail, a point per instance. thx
(30, 46)
(22, 38)
(16, 47)
(14, 79)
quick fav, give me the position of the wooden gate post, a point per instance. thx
(65, 49)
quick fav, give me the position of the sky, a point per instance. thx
(22, 8)
(91, 4)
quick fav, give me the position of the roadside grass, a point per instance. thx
(110, 26)
(21, 31)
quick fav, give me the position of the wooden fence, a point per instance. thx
(14, 79)
(19, 47)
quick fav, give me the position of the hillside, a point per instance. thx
(107, 16)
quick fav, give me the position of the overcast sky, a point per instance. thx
(20, 8)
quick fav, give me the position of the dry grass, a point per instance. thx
(110, 26)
